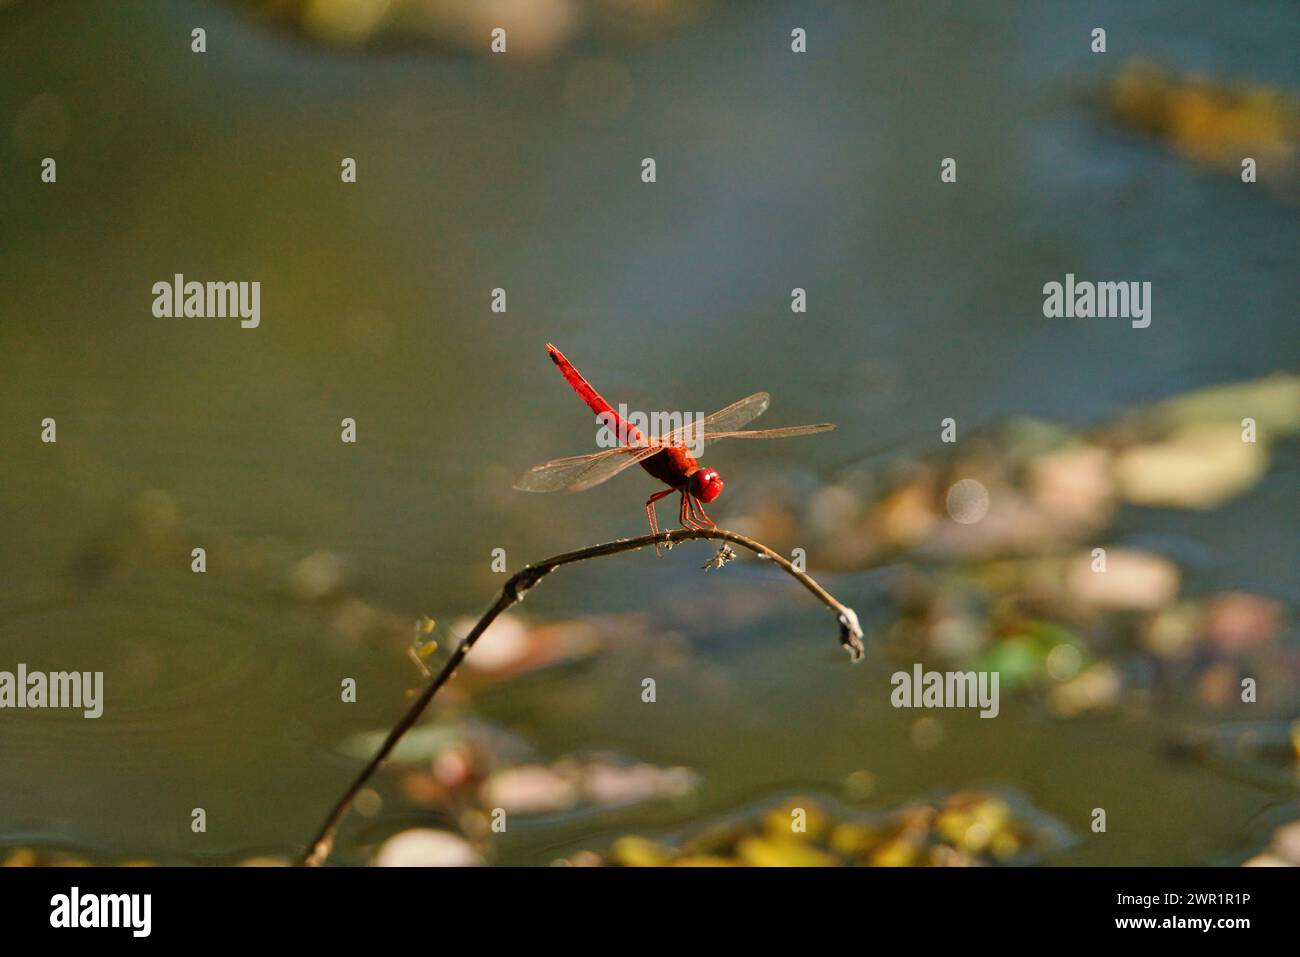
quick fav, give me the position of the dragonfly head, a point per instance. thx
(706, 485)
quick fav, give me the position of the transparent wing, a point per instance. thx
(724, 420)
(785, 433)
(580, 472)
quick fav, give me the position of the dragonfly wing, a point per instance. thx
(724, 420)
(784, 433)
(580, 472)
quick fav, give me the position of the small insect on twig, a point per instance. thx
(422, 646)
(725, 554)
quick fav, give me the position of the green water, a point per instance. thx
(773, 172)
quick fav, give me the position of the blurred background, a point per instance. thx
(775, 170)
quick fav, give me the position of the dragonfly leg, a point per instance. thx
(651, 516)
(683, 519)
(702, 517)
(686, 513)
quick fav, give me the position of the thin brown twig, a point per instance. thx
(512, 592)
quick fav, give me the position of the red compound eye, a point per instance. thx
(706, 485)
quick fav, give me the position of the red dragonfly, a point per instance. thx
(665, 457)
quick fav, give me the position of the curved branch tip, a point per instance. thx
(513, 591)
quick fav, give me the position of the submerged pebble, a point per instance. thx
(425, 847)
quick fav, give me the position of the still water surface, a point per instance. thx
(773, 172)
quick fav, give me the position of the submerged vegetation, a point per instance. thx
(1214, 123)
(961, 830)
